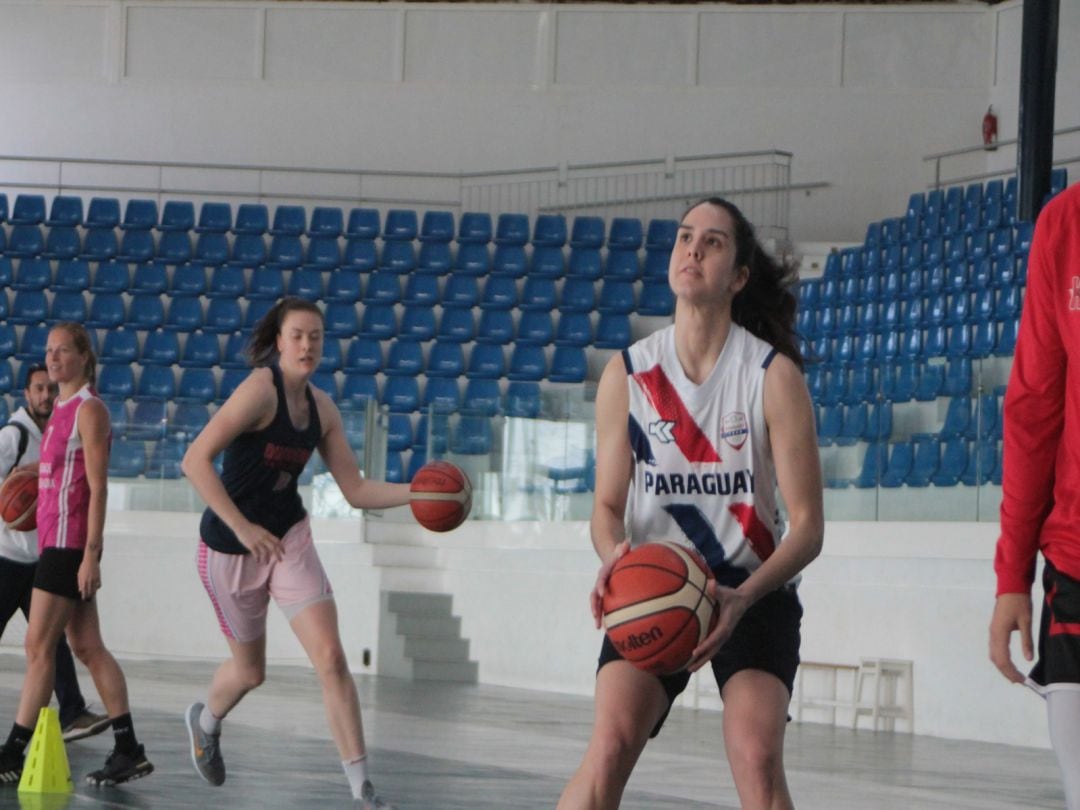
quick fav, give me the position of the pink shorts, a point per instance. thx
(240, 588)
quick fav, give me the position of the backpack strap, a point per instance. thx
(24, 438)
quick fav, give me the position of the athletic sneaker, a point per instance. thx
(205, 748)
(121, 767)
(11, 765)
(87, 724)
(368, 799)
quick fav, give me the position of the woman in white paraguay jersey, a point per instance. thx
(696, 426)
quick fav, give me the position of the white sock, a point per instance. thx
(208, 723)
(1063, 709)
(356, 773)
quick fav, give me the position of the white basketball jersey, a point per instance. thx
(703, 467)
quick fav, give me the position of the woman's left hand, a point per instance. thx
(89, 577)
(732, 605)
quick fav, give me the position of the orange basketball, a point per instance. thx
(18, 501)
(441, 496)
(656, 608)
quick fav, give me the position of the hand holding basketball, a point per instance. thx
(596, 598)
(731, 605)
(440, 496)
(18, 500)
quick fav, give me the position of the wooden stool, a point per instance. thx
(832, 701)
(888, 674)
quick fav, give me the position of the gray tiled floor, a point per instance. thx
(451, 747)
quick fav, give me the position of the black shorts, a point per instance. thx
(766, 638)
(1059, 635)
(58, 571)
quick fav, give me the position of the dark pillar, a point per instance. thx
(1038, 70)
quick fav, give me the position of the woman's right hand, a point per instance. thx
(596, 598)
(263, 546)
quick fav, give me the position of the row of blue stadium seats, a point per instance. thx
(965, 417)
(926, 310)
(974, 340)
(926, 460)
(1000, 243)
(972, 277)
(903, 381)
(349, 288)
(327, 222)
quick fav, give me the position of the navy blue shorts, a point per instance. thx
(1059, 635)
(766, 638)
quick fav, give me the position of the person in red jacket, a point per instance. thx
(1040, 506)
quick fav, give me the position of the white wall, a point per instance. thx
(858, 94)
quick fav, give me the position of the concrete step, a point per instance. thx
(464, 672)
(416, 603)
(428, 626)
(417, 580)
(437, 649)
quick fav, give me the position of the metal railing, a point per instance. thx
(977, 164)
(759, 182)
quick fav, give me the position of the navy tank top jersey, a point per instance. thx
(260, 472)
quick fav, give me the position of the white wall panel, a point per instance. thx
(471, 46)
(330, 44)
(29, 35)
(193, 42)
(624, 48)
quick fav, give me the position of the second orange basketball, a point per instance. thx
(441, 496)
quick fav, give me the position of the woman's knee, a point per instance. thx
(251, 675)
(330, 661)
(757, 758)
(615, 751)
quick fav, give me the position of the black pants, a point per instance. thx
(16, 585)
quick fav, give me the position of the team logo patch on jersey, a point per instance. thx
(662, 430)
(734, 429)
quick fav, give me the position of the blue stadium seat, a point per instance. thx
(445, 360)
(32, 274)
(527, 364)
(873, 467)
(223, 316)
(472, 259)
(585, 263)
(164, 460)
(1003, 271)
(958, 340)
(983, 338)
(7, 338)
(587, 232)
(136, 246)
(522, 399)
(248, 250)
(862, 386)
(343, 286)
(548, 262)
(307, 283)
(496, 326)
(116, 381)
(1059, 179)
(395, 469)
(189, 280)
(398, 257)
(472, 436)
(509, 261)
(103, 213)
(364, 223)
(230, 379)
(418, 323)
(119, 415)
(441, 394)
(214, 217)
(140, 215)
(100, 245)
(980, 467)
(71, 276)
(899, 465)
(625, 233)
(535, 327)
(160, 348)
(174, 247)
(7, 383)
(432, 433)
(383, 287)
(931, 382)
(106, 311)
(28, 307)
(150, 279)
(1022, 243)
(341, 319)
(62, 243)
(549, 230)
(830, 424)
(286, 251)
(616, 297)
(437, 226)
(568, 364)
(127, 458)
(353, 421)
(267, 283)
(461, 291)
(226, 282)
(177, 215)
(68, 305)
(958, 422)
(436, 258)
(902, 383)
(331, 359)
(958, 379)
(289, 220)
(481, 397)
(364, 355)
(32, 345)
(925, 461)
(500, 292)
(29, 209)
(613, 331)
(512, 229)
(234, 356)
(399, 432)
(184, 315)
(327, 381)
(200, 351)
(378, 322)
(1008, 304)
(146, 312)
(197, 385)
(656, 267)
(322, 253)
(854, 425)
(578, 295)
(656, 298)
(326, 221)
(987, 423)
(405, 358)
(456, 325)
(400, 225)
(879, 422)
(474, 228)
(360, 388)
(575, 329)
(188, 419)
(486, 361)
(622, 265)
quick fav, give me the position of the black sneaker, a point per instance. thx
(11, 765)
(121, 767)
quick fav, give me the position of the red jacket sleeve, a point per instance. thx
(1034, 411)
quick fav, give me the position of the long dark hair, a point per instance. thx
(765, 306)
(81, 338)
(262, 347)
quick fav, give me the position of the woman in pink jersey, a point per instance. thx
(732, 345)
(71, 523)
(256, 536)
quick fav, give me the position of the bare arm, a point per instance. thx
(789, 417)
(614, 467)
(93, 427)
(340, 461)
(251, 406)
